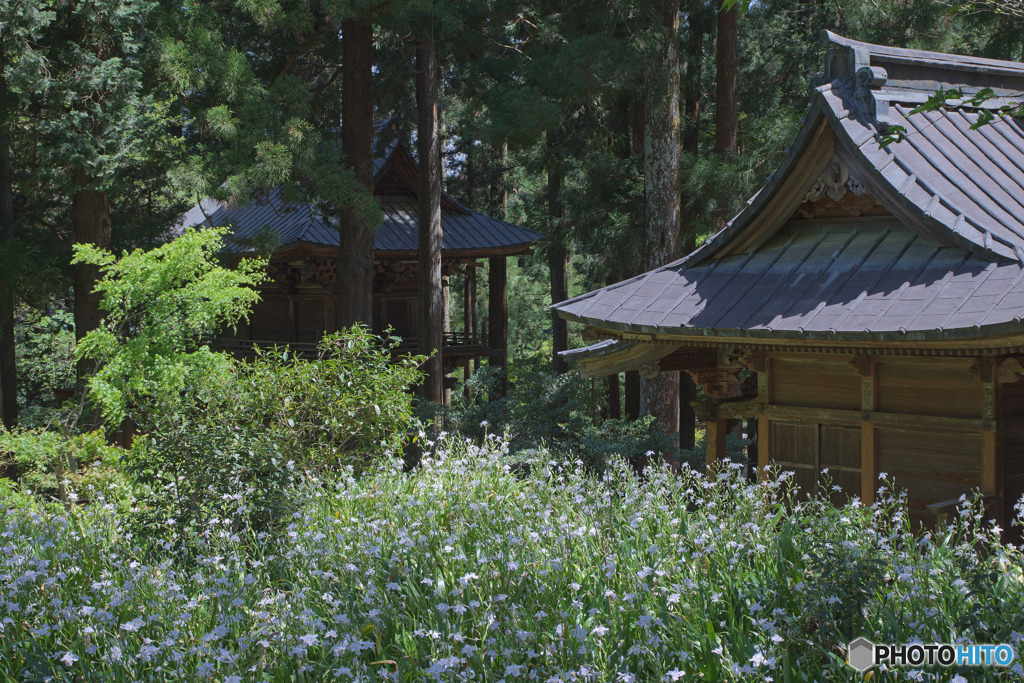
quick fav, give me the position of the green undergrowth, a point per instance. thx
(469, 569)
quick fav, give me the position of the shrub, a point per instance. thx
(553, 411)
(228, 439)
(267, 423)
(351, 405)
(64, 468)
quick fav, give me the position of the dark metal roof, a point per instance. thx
(949, 267)
(399, 232)
(835, 280)
(463, 230)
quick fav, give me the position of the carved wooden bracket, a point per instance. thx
(649, 370)
(755, 361)
(718, 384)
(861, 365)
(705, 411)
(1010, 370)
(982, 369)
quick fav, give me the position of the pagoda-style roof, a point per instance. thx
(922, 240)
(465, 233)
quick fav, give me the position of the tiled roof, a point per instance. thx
(846, 281)
(463, 230)
(949, 267)
(467, 231)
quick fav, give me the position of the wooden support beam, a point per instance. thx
(754, 408)
(867, 369)
(293, 320)
(498, 317)
(714, 442)
(992, 475)
(764, 424)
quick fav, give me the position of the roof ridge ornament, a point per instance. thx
(834, 181)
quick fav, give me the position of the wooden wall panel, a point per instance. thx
(1013, 451)
(1013, 400)
(312, 322)
(933, 466)
(840, 446)
(271, 320)
(928, 386)
(815, 382)
(794, 443)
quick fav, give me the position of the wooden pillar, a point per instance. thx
(446, 290)
(632, 391)
(714, 441)
(866, 368)
(293, 320)
(331, 315)
(764, 425)
(992, 476)
(498, 314)
(473, 318)
(468, 324)
(614, 408)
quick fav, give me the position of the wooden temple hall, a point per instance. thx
(867, 306)
(298, 304)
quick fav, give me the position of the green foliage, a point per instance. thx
(226, 438)
(159, 304)
(235, 450)
(468, 567)
(556, 412)
(45, 355)
(258, 82)
(351, 405)
(61, 468)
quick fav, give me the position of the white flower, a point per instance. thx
(68, 658)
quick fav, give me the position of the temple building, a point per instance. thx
(866, 307)
(298, 304)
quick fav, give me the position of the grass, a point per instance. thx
(462, 570)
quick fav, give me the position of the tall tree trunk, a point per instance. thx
(431, 300)
(692, 83)
(726, 116)
(8, 366)
(90, 221)
(659, 396)
(558, 255)
(355, 248)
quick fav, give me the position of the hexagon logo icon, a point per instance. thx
(861, 654)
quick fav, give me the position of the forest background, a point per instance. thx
(116, 116)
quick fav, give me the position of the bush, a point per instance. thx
(228, 439)
(62, 468)
(237, 453)
(557, 412)
(350, 406)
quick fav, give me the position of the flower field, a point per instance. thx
(463, 570)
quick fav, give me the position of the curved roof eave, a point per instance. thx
(670, 334)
